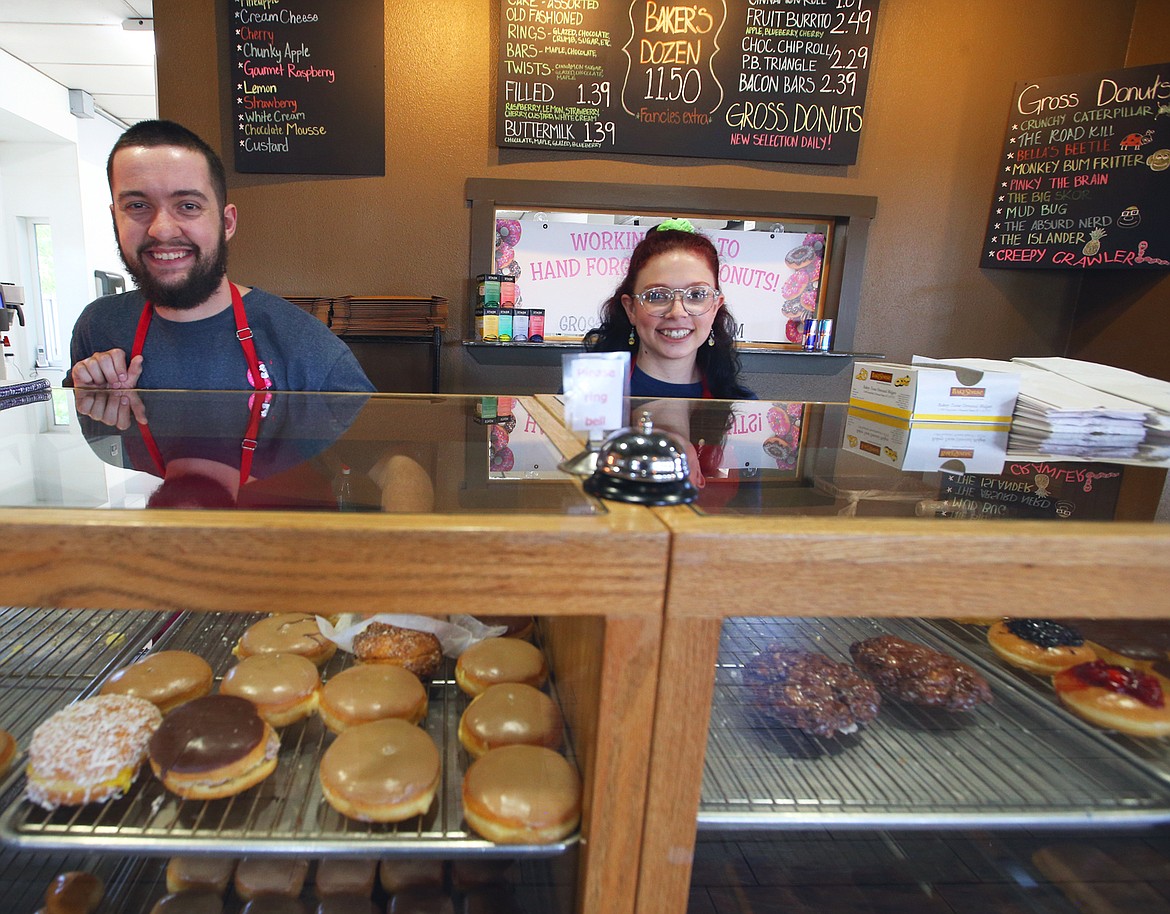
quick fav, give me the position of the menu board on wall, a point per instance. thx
(308, 86)
(781, 81)
(1084, 181)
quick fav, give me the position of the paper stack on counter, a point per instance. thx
(1058, 415)
(1139, 390)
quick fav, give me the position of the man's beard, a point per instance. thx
(201, 282)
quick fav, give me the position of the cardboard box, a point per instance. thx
(937, 393)
(955, 447)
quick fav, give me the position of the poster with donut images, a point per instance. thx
(771, 277)
(1084, 177)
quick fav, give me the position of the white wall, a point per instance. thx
(52, 167)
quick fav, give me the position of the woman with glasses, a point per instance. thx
(669, 314)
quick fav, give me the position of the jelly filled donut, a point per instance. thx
(213, 747)
(497, 660)
(283, 687)
(383, 771)
(90, 751)
(522, 795)
(1039, 645)
(166, 679)
(287, 633)
(369, 692)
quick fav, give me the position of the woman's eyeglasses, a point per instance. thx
(696, 300)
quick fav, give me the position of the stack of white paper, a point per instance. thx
(1058, 414)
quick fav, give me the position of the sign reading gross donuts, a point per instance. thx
(783, 81)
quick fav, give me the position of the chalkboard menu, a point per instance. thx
(308, 86)
(1042, 491)
(778, 81)
(1084, 182)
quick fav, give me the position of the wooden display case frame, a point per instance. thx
(601, 626)
(856, 567)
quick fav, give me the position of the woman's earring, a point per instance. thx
(711, 338)
(633, 339)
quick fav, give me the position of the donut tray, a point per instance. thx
(286, 813)
(1020, 761)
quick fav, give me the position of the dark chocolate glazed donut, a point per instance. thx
(206, 734)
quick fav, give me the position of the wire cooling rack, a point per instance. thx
(1019, 761)
(286, 813)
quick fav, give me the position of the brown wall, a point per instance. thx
(937, 108)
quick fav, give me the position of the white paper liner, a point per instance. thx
(456, 633)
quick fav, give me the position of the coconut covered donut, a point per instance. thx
(90, 751)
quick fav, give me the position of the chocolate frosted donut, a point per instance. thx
(499, 660)
(510, 714)
(283, 687)
(522, 795)
(166, 679)
(213, 747)
(369, 692)
(383, 771)
(287, 633)
(90, 751)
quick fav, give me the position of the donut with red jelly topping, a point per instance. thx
(1116, 697)
(1039, 645)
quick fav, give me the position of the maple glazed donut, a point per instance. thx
(515, 626)
(74, 892)
(522, 795)
(510, 714)
(213, 747)
(497, 660)
(166, 679)
(380, 642)
(1039, 645)
(287, 633)
(1116, 697)
(383, 771)
(284, 687)
(372, 691)
(90, 751)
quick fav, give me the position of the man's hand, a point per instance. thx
(108, 370)
(111, 407)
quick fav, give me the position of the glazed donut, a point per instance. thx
(284, 687)
(1116, 697)
(7, 750)
(166, 679)
(346, 903)
(522, 795)
(199, 873)
(344, 876)
(516, 626)
(497, 660)
(510, 714)
(383, 771)
(213, 747)
(256, 876)
(1039, 645)
(90, 751)
(287, 633)
(188, 903)
(372, 691)
(396, 874)
(380, 642)
(421, 900)
(74, 893)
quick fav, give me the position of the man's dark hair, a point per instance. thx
(168, 133)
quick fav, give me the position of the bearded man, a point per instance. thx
(186, 326)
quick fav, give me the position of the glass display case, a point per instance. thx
(135, 509)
